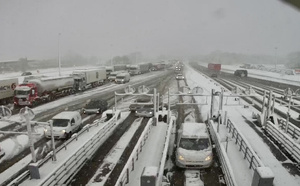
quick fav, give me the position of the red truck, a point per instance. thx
(214, 69)
(42, 89)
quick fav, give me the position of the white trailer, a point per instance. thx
(140, 68)
(89, 78)
(7, 87)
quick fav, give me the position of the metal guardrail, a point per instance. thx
(227, 170)
(134, 156)
(76, 160)
(284, 140)
(291, 129)
(244, 147)
(165, 152)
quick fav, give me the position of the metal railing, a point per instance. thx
(227, 170)
(244, 147)
(165, 152)
(284, 140)
(291, 129)
(72, 164)
(134, 156)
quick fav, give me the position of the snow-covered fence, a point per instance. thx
(244, 147)
(134, 156)
(291, 129)
(165, 152)
(284, 140)
(68, 167)
(221, 151)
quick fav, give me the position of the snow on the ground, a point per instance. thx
(238, 114)
(11, 147)
(114, 155)
(261, 74)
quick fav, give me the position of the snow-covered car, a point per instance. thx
(65, 124)
(179, 77)
(145, 111)
(95, 107)
(138, 103)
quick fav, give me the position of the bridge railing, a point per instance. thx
(291, 129)
(64, 170)
(134, 157)
(285, 140)
(165, 152)
(226, 167)
(244, 146)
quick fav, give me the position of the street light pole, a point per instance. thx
(59, 64)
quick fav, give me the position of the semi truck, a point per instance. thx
(7, 87)
(42, 89)
(214, 69)
(158, 66)
(88, 78)
(120, 67)
(140, 68)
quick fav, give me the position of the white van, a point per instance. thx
(113, 75)
(64, 125)
(123, 77)
(194, 149)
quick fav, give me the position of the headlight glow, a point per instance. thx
(181, 158)
(208, 158)
(63, 131)
(45, 130)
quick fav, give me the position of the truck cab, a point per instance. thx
(64, 125)
(25, 94)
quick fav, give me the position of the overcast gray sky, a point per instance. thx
(29, 28)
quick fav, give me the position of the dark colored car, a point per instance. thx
(26, 74)
(95, 107)
(145, 111)
(241, 73)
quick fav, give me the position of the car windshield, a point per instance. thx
(60, 122)
(194, 144)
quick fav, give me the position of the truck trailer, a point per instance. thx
(120, 67)
(7, 87)
(214, 69)
(42, 89)
(140, 68)
(88, 78)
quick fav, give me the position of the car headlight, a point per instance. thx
(45, 130)
(63, 131)
(208, 158)
(150, 112)
(181, 158)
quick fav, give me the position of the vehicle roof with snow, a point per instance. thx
(194, 130)
(122, 74)
(117, 72)
(65, 115)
